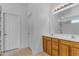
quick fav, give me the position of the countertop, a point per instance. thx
(64, 37)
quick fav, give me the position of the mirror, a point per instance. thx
(66, 22)
(70, 25)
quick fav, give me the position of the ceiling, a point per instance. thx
(22, 4)
(52, 5)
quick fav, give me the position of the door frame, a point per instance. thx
(3, 29)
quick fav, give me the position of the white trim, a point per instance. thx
(3, 27)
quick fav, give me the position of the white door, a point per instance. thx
(12, 31)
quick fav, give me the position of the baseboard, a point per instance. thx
(11, 49)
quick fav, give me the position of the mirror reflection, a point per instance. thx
(70, 25)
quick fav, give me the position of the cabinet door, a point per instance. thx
(49, 47)
(63, 50)
(54, 52)
(74, 51)
(44, 45)
(55, 44)
(54, 47)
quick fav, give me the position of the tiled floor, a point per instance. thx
(23, 52)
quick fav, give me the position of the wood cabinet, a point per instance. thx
(70, 48)
(54, 52)
(60, 47)
(74, 51)
(44, 44)
(54, 43)
(54, 47)
(63, 50)
(49, 46)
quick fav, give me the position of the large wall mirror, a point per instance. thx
(67, 21)
(69, 25)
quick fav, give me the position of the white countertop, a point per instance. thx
(64, 37)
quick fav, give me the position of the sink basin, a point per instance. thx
(75, 36)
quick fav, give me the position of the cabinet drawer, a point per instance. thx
(45, 37)
(64, 42)
(70, 43)
(54, 39)
(54, 52)
(55, 45)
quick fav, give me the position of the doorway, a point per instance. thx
(11, 31)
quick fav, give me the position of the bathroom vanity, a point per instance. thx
(58, 46)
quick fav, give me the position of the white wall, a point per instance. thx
(54, 24)
(40, 25)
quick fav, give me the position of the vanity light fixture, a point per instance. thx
(63, 6)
